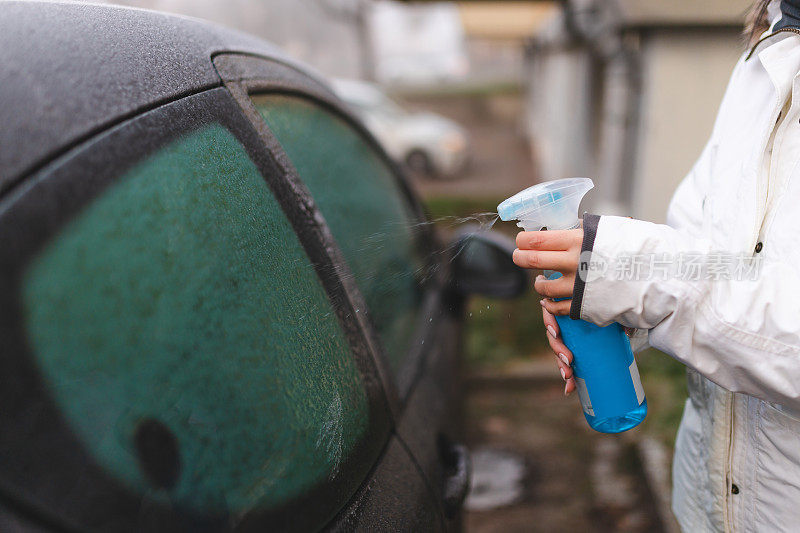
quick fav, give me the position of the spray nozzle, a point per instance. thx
(551, 205)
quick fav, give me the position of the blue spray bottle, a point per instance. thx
(605, 370)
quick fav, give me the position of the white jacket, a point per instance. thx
(737, 458)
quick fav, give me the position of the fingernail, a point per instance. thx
(563, 374)
(539, 277)
(552, 331)
(564, 358)
(541, 302)
(565, 390)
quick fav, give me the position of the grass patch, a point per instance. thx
(446, 210)
(490, 88)
(439, 207)
(664, 381)
(500, 331)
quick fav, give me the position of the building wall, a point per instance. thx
(560, 104)
(505, 20)
(684, 75)
(617, 127)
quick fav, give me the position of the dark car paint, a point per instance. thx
(88, 89)
(394, 498)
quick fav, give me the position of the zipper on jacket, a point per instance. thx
(727, 518)
(771, 154)
(766, 161)
(780, 183)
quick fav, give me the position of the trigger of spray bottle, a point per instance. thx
(604, 368)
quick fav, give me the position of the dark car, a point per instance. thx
(221, 306)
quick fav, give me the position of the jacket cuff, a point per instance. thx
(619, 285)
(590, 223)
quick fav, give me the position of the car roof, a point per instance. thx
(69, 70)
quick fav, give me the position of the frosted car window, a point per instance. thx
(179, 308)
(364, 207)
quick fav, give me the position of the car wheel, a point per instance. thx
(419, 163)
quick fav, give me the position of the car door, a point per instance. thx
(398, 268)
(180, 350)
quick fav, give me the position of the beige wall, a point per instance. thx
(684, 78)
(694, 12)
(504, 20)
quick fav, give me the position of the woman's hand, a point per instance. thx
(563, 355)
(553, 250)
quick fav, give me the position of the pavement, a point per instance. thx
(572, 478)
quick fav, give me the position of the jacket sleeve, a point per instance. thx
(743, 334)
(685, 214)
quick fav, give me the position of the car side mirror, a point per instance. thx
(482, 265)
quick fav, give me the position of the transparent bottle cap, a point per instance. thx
(553, 204)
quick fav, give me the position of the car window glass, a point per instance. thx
(179, 308)
(361, 201)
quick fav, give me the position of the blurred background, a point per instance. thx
(480, 99)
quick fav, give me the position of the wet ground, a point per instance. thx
(568, 478)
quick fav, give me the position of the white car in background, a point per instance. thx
(427, 143)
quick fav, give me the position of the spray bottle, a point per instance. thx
(605, 370)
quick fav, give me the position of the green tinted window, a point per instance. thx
(180, 302)
(364, 207)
